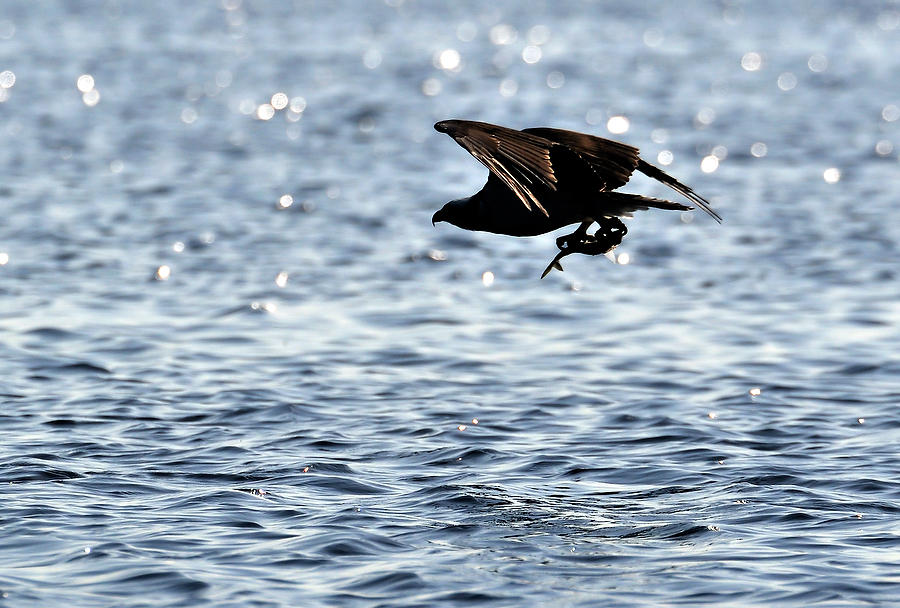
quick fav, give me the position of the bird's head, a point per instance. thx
(445, 126)
(458, 212)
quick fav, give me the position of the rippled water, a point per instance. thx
(215, 395)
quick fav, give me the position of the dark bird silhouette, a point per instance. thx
(542, 179)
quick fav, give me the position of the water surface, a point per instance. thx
(214, 395)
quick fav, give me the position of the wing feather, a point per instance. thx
(520, 160)
(611, 161)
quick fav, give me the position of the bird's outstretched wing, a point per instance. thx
(612, 162)
(521, 160)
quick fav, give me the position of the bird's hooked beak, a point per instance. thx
(437, 217)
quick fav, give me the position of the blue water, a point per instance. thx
(212, 398)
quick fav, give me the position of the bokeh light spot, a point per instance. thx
(85, 83)
(617, 124)
(448, 59)
(431, 86)
(503, 34)
(279, 101)
(787, 81)
(709, 164)
(508, 87)
(531, 54)
(751, 61)
(817, 63)
(265, 111)
(555, 79)
(91, 98)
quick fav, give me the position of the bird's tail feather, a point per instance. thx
(624, 203)
(686, 191)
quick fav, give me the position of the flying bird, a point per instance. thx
(541, 179)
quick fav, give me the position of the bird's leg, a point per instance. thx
(611, 230)
(567, 240)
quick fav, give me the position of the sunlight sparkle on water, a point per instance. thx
(709, 164)
(787, 81)
(279, 101)
(617, 124)
(755, 391)
(531, 54)
(4, 258)
(503, 34)
(759, 149)
(7, 79)
(372, 58)
(163, 273)
(269, 307)
(705, 117)
(832, 175)
(751, 61)
(817, 63)
(247, 106)
(665, 157)
(85, 83)
(556, 79)
(91, 98)
(223, 79)
(884, 147)
(890, 112)
(265, 111)
(487, 279)
(281, 279)
(448, 59)
(539, 34)
(623, 258)
(431, 86)
(285, 201)
(298, 104)
(508, 87)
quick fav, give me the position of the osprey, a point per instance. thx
(542, 179)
